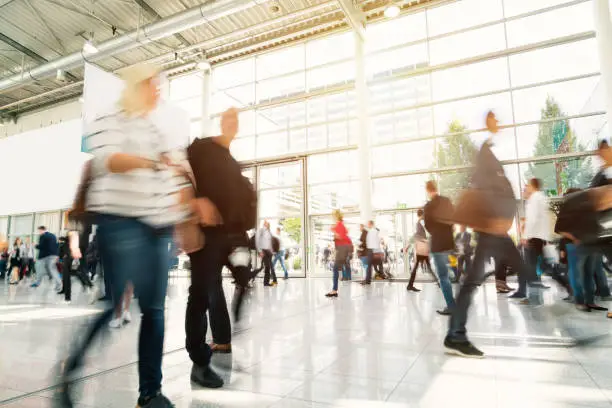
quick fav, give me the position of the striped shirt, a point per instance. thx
(146, 194)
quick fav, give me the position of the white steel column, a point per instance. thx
(363, 106)
(603, 27)
(206, 93)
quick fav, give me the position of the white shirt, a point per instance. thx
(373, 240)
(608, 172)
(263, 240)
(145, 194)
(537, 219)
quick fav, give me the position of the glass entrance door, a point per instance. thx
(281, 203)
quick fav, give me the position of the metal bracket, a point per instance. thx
(354, 16)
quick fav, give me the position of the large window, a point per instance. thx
(432, 77)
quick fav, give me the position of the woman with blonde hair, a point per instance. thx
(343, 245)
(133, 197)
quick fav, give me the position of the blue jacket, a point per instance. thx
(47, 245)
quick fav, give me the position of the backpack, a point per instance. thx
(247, 203)
(275, 244)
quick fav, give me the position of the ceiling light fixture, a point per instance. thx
(89, 47)
(392, 10)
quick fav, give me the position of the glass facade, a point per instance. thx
(432, 77)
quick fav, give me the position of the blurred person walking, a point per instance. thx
(263, 241)
(373, 250)
(362, 249)
(226, 204)
(48, 254)
(71, 256)
(603, 178)
(535, 237)
(279, 253)
(29, 257)
(421, 250)
(343, 245)
(441, 240)
(489, 207)
(16, 262)
(134, 198)
(463, 243)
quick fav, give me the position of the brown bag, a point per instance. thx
(79, 205)
(484, 212)
(188, 234)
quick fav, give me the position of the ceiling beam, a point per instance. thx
(355, 17)
(146, 7)
(44, 23)
(25, 50)
(87, 14)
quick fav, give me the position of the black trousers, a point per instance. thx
(503, 250)
(463, 263)
(268, 270)
(534, 250)
(423, 262)
(206, 296)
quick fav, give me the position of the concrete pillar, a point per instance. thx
(603, 28)
(363, 107)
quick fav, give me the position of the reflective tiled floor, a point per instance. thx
(377, 346)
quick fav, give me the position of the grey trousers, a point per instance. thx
(48, 266)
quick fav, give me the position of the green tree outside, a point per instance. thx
(556, 137)
(458, 150)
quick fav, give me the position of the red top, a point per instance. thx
(340, 234)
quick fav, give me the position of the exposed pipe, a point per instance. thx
(152, 32)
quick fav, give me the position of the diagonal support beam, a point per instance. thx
(146, 7)
(354, 16)
(44, 23)
(33, 55)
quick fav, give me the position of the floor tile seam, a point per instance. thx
(601, 390)
(406, 373)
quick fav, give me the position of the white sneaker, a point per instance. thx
(65, 302)
(116, 323)
(127, 317)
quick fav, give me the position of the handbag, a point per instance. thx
(484, 211)
(188, 234)
(79, 204)
(422, 248)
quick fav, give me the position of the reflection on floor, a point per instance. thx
(372, 347)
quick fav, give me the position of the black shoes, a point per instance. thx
(332, 294)
(597, 308)
(158, 401)
(517, 295)
(205, 377)
(365, 283)
(412, 289)
(444, 312)
(463, 349)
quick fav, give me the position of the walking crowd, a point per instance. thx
(141, 197)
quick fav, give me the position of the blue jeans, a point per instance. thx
(587, 259)
(341, 262)
(280, 256)
(48, 266)
(134, 252)
(572, 271)
(441, 261)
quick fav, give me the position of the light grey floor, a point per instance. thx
(373, 347)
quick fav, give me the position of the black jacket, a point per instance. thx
(362, 250)
(47, 245)
(219, 178)
(441, 233)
